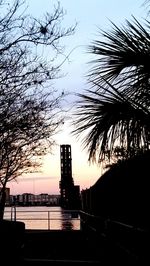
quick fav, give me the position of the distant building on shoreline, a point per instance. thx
(28, 199)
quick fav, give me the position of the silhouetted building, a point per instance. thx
(122, 193)
(28, 199)
(70, 194)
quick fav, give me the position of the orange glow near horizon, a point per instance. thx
(47, 181)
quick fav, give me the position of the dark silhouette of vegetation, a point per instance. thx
(30, 108)
(114, 113)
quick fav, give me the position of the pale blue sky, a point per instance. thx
(90, 15)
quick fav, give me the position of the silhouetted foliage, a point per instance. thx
(30, 108)
(114, 112)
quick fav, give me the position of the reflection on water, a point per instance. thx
(54, 218)
(70, 220)
(67, 223)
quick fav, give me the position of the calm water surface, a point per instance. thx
(42, 217)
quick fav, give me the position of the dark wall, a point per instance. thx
(122, 193)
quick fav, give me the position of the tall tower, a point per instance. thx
(66, 183)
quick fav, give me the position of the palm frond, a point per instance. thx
(123, 57)
(110, 120)
(116, 110)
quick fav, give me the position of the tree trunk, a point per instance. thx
(2, 202)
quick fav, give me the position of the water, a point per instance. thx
(54, 218)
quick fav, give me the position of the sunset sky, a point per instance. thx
(90, 16)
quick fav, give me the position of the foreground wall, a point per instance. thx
(122, 193)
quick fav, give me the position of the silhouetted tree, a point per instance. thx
(30, 108)
(115, 112)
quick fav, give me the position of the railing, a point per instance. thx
(131, 239)
(55, 219)
(13, 213)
